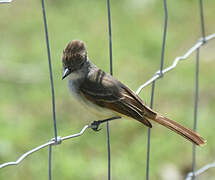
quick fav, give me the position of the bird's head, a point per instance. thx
(74, 56)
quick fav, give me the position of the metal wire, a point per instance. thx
(108, 150)
(50, 68)
(50, 162)
(197, 88)
(6, 1)
(110, 37)
(200, 171)
(195, 108)
(51, 142)
(164, 35)
(148, 149)
(149, 134)
(52, 83)
(111, 72)
(202, 20)
(153, 84)
(175, 62)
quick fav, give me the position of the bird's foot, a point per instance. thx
(95, 125)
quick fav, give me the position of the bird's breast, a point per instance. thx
(74, 82)
(102, 113)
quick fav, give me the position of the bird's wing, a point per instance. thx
(107, 92)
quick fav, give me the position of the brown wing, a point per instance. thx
(148, 112)
(105, 91)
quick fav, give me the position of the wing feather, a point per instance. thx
(105, 91)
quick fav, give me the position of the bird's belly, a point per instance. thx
(100, 112)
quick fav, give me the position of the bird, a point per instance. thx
(107, 97)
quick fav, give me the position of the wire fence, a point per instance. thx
(111, 72)
(158, 74)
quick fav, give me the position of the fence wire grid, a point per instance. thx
(158, 74)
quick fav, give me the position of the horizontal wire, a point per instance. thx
(200, 171)
(6, 1)
(51, 142)
(158, 74)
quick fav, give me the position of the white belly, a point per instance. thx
(102, 113)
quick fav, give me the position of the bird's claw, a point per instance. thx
(95, 126)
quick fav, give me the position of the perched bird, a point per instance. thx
(107, 97)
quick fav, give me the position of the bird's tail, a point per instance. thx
(181, 130)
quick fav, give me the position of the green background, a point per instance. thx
(137, 28)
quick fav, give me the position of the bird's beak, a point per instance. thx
(66, 73)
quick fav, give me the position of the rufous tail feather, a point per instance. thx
(181, 130)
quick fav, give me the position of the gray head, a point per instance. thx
(74, 56)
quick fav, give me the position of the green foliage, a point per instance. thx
(25, 96)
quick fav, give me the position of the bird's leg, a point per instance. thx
(95, 124)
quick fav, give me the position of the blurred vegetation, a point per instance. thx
(25, 95)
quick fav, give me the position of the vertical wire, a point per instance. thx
(197, 87)
(52, 84)
(202, 20)
(50, 68)
(153, 85)
(109, 153)
(149, 134)
(111, 72)
(50, 162)
(195, 110)
(110, 37)
(164, 35)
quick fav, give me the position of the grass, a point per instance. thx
(25, 98)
